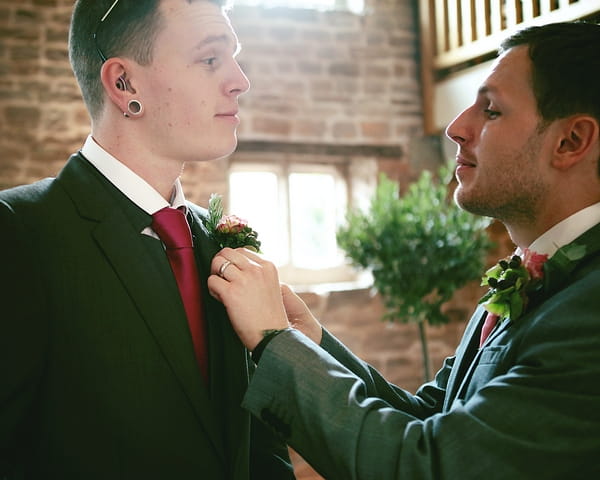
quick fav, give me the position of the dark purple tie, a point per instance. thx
(172, 228)
(488, 325)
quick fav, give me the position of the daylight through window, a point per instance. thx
(296, 208)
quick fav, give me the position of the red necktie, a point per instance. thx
(490, 322)
(172, 228)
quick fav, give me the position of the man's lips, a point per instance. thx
(462, 161)
(232, 113)
(229, 117)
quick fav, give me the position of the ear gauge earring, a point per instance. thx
(134, 108)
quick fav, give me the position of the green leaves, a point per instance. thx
(229, 230)
(420, 247)
(511, 281)
(215, 212)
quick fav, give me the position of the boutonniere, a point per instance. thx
(229, 230)
(511, 281)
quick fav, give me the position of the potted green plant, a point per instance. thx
(420, 248)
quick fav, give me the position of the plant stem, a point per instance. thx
(425, 350)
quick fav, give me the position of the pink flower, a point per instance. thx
(534, 263)
(231, 224)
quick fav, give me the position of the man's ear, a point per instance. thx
(578, 136)
(116, 84)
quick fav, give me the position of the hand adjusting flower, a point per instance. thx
(511, 281)
(229, 230)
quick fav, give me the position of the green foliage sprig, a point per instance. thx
(512, 280)
(229, 230)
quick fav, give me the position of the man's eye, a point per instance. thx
(491, 114)
(210, 61)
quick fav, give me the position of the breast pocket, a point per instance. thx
(490, 364)
(492, 355)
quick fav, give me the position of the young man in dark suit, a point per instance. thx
(110, 370)
(520, 399)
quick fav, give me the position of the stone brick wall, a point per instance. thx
(331, 77)
(42, 118)
(318, 79)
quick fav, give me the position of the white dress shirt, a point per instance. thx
(130, 184)
(567, 230)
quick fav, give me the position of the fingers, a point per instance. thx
(300, 316)
(248, 287)
(228, 260)
(223, 267)
(238, 269)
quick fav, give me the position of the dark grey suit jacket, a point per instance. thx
(525, 406)
(98, 376)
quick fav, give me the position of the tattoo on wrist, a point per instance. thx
(271, 331)
(268, 335)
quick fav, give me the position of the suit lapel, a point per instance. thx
(558, 272)
(145, 273)
(560, 268)
(466, 353)
(231, 357)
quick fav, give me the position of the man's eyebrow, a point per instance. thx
(224, 38)
(493, 91)
(485, 89)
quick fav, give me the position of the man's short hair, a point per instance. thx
(128, 31)
(565, 67)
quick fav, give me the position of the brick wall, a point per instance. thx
(318, 79)
(331, 77)
(42, 118)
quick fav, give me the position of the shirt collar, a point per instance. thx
(129, 183)
(567, 230)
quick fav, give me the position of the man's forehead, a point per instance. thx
(205, 20)
(194, 10)
(510, 70)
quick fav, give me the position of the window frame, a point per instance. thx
(342, 272)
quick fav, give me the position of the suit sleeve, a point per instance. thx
(22, 337)
(537, 419)
(428, 400)
(269, 456)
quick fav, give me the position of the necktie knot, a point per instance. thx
(172, 228)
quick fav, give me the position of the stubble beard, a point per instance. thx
(511, 196)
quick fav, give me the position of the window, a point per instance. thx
(355, 6)
(296, 208)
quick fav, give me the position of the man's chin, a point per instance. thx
(230, 149)
(216, 153)
(469, 203)
(460, 197)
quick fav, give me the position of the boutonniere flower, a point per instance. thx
(511, 281)
(229, 230)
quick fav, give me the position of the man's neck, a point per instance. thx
(559, 233)
(160, 173)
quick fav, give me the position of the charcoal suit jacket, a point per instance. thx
(98, 375)
(525, 406)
